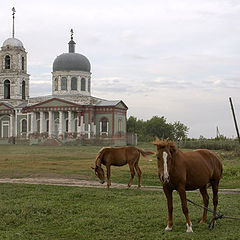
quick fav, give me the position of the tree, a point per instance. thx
(180, 131)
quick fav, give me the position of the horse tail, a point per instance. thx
(145, 153)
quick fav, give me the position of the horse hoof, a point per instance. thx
(203, 221)
(189, 228)
(168, 229)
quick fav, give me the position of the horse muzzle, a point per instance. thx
(165, 179)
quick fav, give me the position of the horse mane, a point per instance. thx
(164, 143)
(98, 160)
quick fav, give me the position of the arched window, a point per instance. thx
(66, 125)
(23, 90)
(89, 87)
(83, 84)
(22, 63)
(104, 125)
(74, 83)
(64, 83)
(7, 62)
(120, 125)
(6, 89)
(56, 84)
(24, 126)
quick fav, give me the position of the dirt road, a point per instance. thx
(86, 183)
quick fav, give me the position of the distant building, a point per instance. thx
(70, 114)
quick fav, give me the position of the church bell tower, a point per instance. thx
(14, 80)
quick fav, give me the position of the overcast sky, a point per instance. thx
(177, 59)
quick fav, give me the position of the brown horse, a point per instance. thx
(118, 157)
(187, 171)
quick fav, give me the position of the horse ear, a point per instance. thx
(173, 148)
(156, 142)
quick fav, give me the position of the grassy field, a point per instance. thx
(75, 162)
(55, 213)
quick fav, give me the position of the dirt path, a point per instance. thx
(86, 183)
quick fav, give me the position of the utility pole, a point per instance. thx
(234, 118)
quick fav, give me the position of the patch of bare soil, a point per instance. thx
(73, 180)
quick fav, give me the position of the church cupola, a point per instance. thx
(71, 73)
(14, 80)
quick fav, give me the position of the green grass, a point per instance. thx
(75, 161)
(55, 212)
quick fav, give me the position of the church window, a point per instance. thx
(24, 126)
(67, 125)
(22, 63)
(7, 62)
(47, 123)
(120, 125)
(23, 90)
(104, 125)
(64, 83)
(83, 84)
(74, 83)
(56, 84)
(6, 89)
(89, 87)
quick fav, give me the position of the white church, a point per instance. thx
(69, 115)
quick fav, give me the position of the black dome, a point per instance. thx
(71, 62)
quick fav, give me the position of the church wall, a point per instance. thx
(118, 131)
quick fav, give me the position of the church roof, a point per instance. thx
(12, 42)
(71, 62)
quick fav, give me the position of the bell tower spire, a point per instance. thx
(13, 14)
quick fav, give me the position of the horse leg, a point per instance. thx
(139, 174)
(108, 175)
(183, 197)
(215, 196)
(168, 194)
(132, 175)
(205, 196)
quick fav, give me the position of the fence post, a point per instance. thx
(234, 118)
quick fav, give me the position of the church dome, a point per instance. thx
(12, 42)
(71, 62)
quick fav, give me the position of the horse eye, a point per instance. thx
(158, 158)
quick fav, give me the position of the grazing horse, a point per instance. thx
(183, 171)
(118, 157)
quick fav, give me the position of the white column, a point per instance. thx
(82, 125)
(11, 126)
(79, 83)
(100, 128)
(28, 124)
(89, 130)
(69, 122)
(50, 122)
(41, 122)
(68, 83)
(60, 127)
(33, 122)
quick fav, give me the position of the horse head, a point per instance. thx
(165, 152)
(99, 171)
